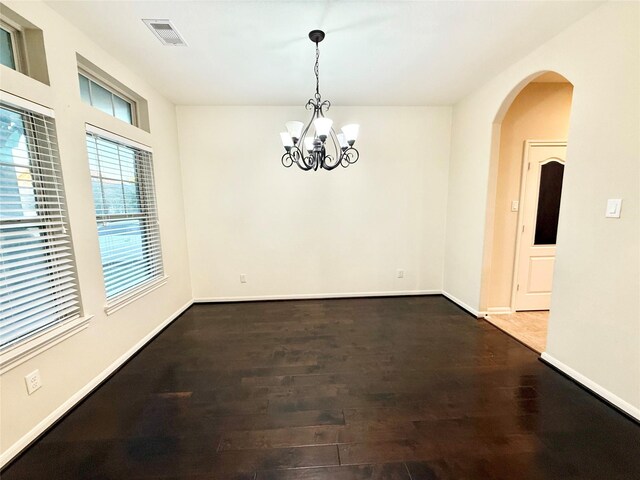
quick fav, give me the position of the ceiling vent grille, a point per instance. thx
(166, 32)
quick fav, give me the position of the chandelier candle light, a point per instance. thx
(323, 148)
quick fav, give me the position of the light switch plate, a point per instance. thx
(614, 206)
(515, 204)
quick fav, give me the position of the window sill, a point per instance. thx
(135, 294)
(29, 348)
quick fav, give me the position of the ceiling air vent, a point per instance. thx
(166, 32)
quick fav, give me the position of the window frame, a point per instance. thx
(18, 45)
(97, 79)
(139, 290)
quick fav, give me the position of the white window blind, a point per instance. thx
(125, 203)
(38, 284)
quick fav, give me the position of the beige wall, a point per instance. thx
(539, 112)
(296, 233)
(70, 366)
(594, 329)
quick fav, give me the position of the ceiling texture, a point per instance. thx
(375, 53)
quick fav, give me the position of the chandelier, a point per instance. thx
(322, 148)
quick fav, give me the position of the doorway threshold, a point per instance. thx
(529, 328)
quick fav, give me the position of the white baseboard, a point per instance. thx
(460, 303)
(307, 296)
(50, 419)
(593, 386)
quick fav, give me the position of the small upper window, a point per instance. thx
(106, 99)
(7, 56)
(22, 46)
(10, 44)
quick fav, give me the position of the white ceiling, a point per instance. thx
(376, 52)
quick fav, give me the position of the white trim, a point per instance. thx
(10, 23)
(593, 386)
(20, 102)
(50, 419)
(32, 346)
(101, 132)
(134, 295)
(499, 310)
(305, 296)
(464, 306)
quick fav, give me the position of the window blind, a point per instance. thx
(125, 203)
(38, 281)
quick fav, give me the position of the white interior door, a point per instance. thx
(540, 207)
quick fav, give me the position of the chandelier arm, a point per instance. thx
(294, 155)
(286, 160)
(308, 160)
(334, 140)
(308, 126)
(331, 167)
(289, 158)
(327, 162)
(301, 160)
(349, 157)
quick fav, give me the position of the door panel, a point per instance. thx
(540, 274)
(540, 208)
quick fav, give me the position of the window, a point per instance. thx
(7, 53)
(124, 197)
(106, 99)
(38, 284)
(10, 46)
(22, 46)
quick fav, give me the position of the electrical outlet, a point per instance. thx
(33, 381)
(400, 273)
(243, 278)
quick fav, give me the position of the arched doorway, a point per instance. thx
(528, 162)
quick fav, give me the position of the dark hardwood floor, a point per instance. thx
(394, 388)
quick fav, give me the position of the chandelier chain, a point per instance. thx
(316, 70)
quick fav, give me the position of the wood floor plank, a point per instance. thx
(395, 471)
(387, 451)
(377, 431)
(280, 437)
(239, 461)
